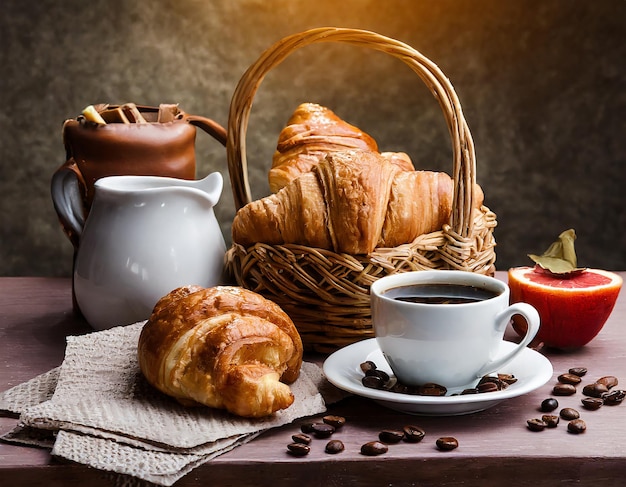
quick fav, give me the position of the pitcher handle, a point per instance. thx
(531, 316)
(65, 188)
(211, 127)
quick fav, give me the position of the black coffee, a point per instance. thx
(440, 293)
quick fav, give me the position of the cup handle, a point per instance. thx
(65, 188)
(531, 316)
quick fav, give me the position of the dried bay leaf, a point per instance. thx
(560, 257)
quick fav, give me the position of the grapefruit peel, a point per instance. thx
(573, 303)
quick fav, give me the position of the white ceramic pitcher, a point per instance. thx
(144, 237)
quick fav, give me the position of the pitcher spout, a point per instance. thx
(212, 185)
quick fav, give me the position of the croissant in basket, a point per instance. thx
(312, 132)
(224, 347)
(351, 202)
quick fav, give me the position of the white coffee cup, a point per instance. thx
(452, 345)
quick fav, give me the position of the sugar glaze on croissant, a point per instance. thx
(224, 347)
(353, 202)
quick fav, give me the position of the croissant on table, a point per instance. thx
(224, 347)
(312, 132)
(353, 202)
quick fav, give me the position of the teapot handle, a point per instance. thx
(65, 188)
(211, 127)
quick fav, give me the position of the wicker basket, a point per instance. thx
(326, 293)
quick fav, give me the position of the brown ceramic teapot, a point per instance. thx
(126, 140)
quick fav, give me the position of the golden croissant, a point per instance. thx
(224, 347)
(312, 132)
(352, 202)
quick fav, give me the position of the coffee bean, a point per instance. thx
(576, 426)
(384, 376)
(413, 434)
(391, 436)
(592, 403)
(335, 421)
(494, 381)
(322, 430)
(608, 380)
(507, 378)
(374, 448)
(563, 390)
(569, 414)
(368, 365)
(431, 389)
(614, 397)
(569, 379)
(595, 390)
(447, 443)
(413, 390)
(579, 371)
(373, 382)
(535, 424)
(401, 389)
(548, 405)
(469, 391)
(550, 420)
(487, 387)
(301, 438)
(334, 447)
(307, 428)
(298, 449)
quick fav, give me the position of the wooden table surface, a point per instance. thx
(495, 448)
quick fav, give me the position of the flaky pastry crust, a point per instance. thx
(224, 347)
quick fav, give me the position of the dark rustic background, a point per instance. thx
(542, 84)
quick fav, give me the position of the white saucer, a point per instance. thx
(342, 369)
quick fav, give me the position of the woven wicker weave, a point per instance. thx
(326, 293)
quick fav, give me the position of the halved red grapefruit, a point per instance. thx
(573, 307)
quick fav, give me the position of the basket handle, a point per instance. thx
(464, 159)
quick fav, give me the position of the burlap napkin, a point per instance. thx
(97, 409)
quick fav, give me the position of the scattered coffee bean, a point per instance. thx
(569, 414)
(413, 434)
(579, 371)
(375, 378)
(298, 449)
(614, 397)
(576, 426)
(368, 365)
(608, 380)
(402, 389)
(563, 390)
(550, 420)
(384, 376)
(432, 390)
(447, 443)
(334, 447)
(592, 403)
(595, 390)
(507, 378)
(335, 421)
(487, 387)
(307, 428)
(373, 382)
(322, 430)
(549, 405)
(391, 436)
(301, 438)
(569, 379)
(469, 391)
(374, 448)
(535, 424)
